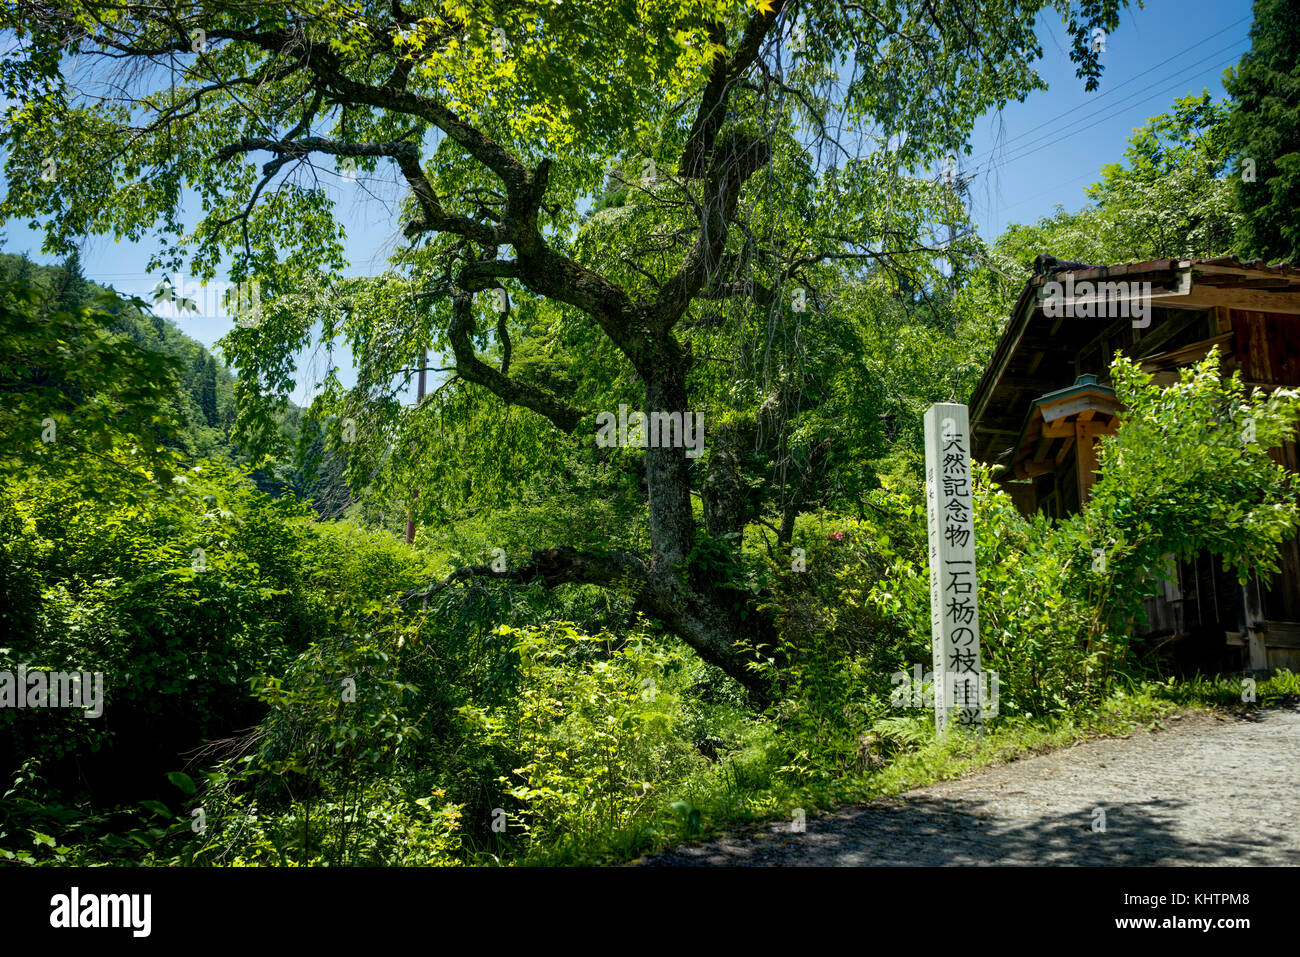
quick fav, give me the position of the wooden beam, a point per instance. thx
(1210, 297)
(1171, 327)
(1256, 625)
(1107, 333)
(1282, 634)
(1206, 269)
(1086, 463)
(1094, 430)
(1065, 450)
(1185, 355)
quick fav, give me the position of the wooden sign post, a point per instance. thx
(954, 608)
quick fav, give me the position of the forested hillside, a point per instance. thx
(202, 408)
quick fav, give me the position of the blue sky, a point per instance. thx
(1028, 158)
(1045, 151)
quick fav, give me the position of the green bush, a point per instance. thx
(592, 732)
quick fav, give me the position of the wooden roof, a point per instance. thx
(1049, 430)
(1039, 354)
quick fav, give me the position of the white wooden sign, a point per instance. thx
(954, 594)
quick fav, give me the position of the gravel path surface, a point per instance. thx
(1208, 790)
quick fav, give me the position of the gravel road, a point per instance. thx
(1207, 790)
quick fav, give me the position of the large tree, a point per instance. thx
(652, 186)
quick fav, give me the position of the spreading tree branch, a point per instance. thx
(469, 366)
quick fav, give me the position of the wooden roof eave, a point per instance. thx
(1081, 401)
(1028, 303)
(1186, 284)
(1026, 306)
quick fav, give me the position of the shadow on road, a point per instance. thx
(936, 832)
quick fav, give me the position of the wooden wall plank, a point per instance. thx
(1251, 344)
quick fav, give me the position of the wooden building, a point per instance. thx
(1044, 401)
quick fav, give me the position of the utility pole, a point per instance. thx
(419, 401)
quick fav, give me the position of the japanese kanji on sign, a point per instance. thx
(954, 608)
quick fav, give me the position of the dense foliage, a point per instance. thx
(1265, 133)
(586, 651)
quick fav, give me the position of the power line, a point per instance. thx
(1161, 92)
(1122, 105)
(1135, 77)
